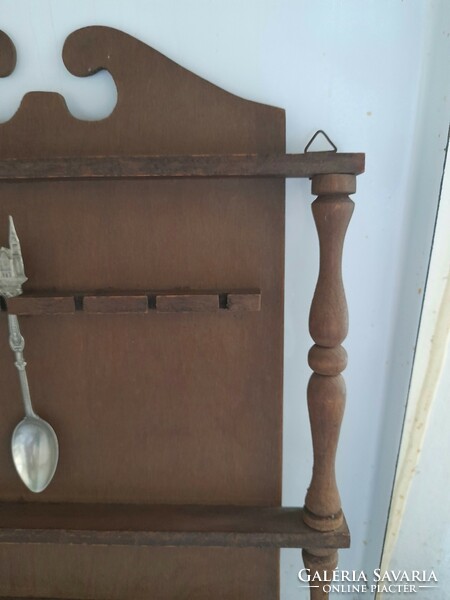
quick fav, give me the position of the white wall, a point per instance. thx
(372, 75)
(418, 532)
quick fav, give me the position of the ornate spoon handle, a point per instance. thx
(34, 444)
(17, 344)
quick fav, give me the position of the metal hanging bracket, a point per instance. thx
(320, 131)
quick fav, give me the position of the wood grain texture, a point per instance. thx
(138, 573)
(131, 303)
(326, 402)
(323, 563)
(7, 55)
(328, 326)
(151, 117)
(327, 361)
(40, 305)
(139, 525)
(328, 323)
(187, 303)
(143, 167)
(337, 183)
(180, 188)
(189, 377)
(114, 304)
(175, 408)
(243, 302)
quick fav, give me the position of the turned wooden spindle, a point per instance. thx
(328, 325)
(322, 562)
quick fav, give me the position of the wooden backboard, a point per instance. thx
(177, 407)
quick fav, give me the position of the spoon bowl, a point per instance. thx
(35, 452)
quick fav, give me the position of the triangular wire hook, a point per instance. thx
(325, 136)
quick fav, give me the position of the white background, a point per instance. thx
(373, 74)
(419, 522)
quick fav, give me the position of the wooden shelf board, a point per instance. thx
(135, 302)
(163, 525)
(145, 167)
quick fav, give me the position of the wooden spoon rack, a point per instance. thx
(153, 241)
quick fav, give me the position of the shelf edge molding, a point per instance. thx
(162, 525)
(191, 166)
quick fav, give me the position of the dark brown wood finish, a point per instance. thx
(113, 304)
(138, 302)
(167, 403)
(150, 167)
(138, 573)
(40, 305)
(162, 109)
(7, 55)
(328, 325)
(321, 562)
(174, 408)
(187, 303)
(139, 525)
(241, 302)
(198, 360)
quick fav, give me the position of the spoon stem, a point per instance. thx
(17, 344)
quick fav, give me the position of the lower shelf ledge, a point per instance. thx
(163, 525)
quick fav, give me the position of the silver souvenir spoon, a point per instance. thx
(34, 443)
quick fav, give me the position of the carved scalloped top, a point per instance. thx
(7, 55)
(162, 108)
